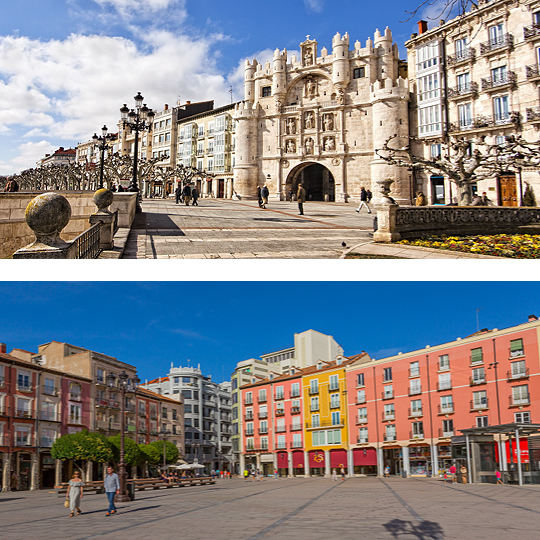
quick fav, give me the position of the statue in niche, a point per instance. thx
(341, 97)
(310, 120)
(291, 126)
(278, 104)
(309, 146)
(291, 147)
(329, 144)
(308, 57)
(311, 88)
(328, 122)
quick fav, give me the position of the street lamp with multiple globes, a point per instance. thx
(139, 119)
(124, 385)
(165, 433)
(102, 143)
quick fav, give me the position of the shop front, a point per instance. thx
(298, 463)
(444, 453)
(47, 468)
(267, 464)
(283, 464)
(338, 460)
(365, 461)
(316, 463)
(420, 461)
(393, 458)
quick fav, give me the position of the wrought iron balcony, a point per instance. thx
(506, 41)
(443, 433)
(530, 32)
(480, 122)
(295, 410)
(446, 409)
(496, 83)
(522, 400)
(466, 55)
(361, 419)
(444, 385)
(532, 72)
(413, 435)
(415, 390)
(361, 440)
(462, 90)
(475, 381)
(281, 429)
(415, 412)
(480, 405)
(523, 374)
(388, 438)
(389, 415)
(295, 427)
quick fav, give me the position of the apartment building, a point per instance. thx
(37, 405)
(477, 77)
(62, 156)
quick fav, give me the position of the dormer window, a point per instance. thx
(319, 365)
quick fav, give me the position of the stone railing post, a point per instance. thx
(47, 214)
(103, 198)
(386, 214)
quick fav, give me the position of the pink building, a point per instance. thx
(410, 409)
(272, 425)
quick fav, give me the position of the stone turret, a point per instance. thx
(389, 100)
(341, 71)
(388, 55)
(245, 169)
(279, 77)
(249, 84)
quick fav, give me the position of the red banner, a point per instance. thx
(338, 459)
(316, 459)
(298, 459)
(283, 460)
(364, 456)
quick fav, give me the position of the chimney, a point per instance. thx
(532, 318)
(188, 102)
(166, 107)
(422, 27)
(2, 348)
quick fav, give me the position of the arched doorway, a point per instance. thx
(317, 180)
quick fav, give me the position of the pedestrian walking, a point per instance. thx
(369, 195)
(301, 198)
(498, 475)
(112, 487)
(178, 193)
(387, 472)
(334, 475)
(463, 472)
(259, 198)
(186, 192)
(453, 471)
(195, 196)
(253, 473)
(342, 474)
(246, 474)
(75, 493)
(264, 196)
(275, 474)
(363, 200)
(290, 195)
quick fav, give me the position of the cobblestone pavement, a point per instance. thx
(224, 229)
(286, 509)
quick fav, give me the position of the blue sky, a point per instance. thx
(218, 324)
(67, 66)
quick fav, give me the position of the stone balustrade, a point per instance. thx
(406, 222)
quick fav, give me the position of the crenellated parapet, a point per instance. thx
(387, 89)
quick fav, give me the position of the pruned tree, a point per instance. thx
(132, 453)
(464, 162)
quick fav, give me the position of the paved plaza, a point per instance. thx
(286, 509)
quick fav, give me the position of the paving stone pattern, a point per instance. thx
(224, 229)
(287, 509)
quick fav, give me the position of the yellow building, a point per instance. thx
(325, 417)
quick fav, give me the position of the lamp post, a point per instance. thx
(138, 119)
(102, 143)
(165, 433)
(123, 385)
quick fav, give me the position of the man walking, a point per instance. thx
(186, 192)
(363, 201)
(112, 487)
(301, 198)
(178, 193)
(264, 196)
(195, 196)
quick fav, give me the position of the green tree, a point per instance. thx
(151, 454)
(132, 453)
(171, 451)
(528, 197)
(82, 446)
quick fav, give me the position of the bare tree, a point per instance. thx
(464, 162)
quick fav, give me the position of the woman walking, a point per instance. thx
(75, 493)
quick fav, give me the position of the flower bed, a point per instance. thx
(516, 246)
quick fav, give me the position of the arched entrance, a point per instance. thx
(317, 180)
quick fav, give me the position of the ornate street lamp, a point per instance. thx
(102, 143)
(124, 385)
(138, 119)
(165, 433)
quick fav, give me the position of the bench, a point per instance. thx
(94, 486)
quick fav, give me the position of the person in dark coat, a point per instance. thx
(301, 198)
(120, 188)
(264, 196)
(186, 192)
(11, 186)
(259, 198)
(195, 196)
(290, 195)
(363, 201)
(178, 193)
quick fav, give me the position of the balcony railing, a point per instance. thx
(515, 354)
(461, 90)
(522, 400)
(249, 433)
(532, 31)
(443, 433)
(387, 395)
(294, 394)
(479, 404)
(333, 387)
(509, 79)
(248, 401)
(296, 444)
(361, 419)
(24, 441)
(314, 408)
(413, 435)
(475, 381)
(445, 385)
(480, 122)
(496, 44)
(391, 437)
(279, 396)
(446, 409)
(50, 390)
(415, 412)
(262, 415)
(46, 442)
(360, 400)
(465, 55)
(389, 415)
(76, 420)
(75, 396)
(262, 399)
(47, 416)
(248, 416)
(443, 366)
(24, 387)
(512, 376)
(532, 72)
(142, 413)
(23, 413)
(295, 427)
(361, 440)
(295, 410)
(281, 445)
(415, 390)
(313, 390)
(281, 429)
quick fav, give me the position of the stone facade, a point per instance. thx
(317, 119)
(477, 76)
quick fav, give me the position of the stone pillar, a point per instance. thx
(258, 457)
(242, 464)
(350, 463)
(406, 460)
(6, 475)
(89, 471)
(386, 224)
(57, 472)
(291, 468)
(434, 461)
(307, 473)
(327, 468)
(380, 462)
(34, 472)
(103, 198)
(47, 214)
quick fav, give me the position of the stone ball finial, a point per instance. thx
(47, 214)
(103, 198)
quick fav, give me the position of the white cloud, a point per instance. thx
(29, 154)
(128, 7)
(314, 5)
(69, 88)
